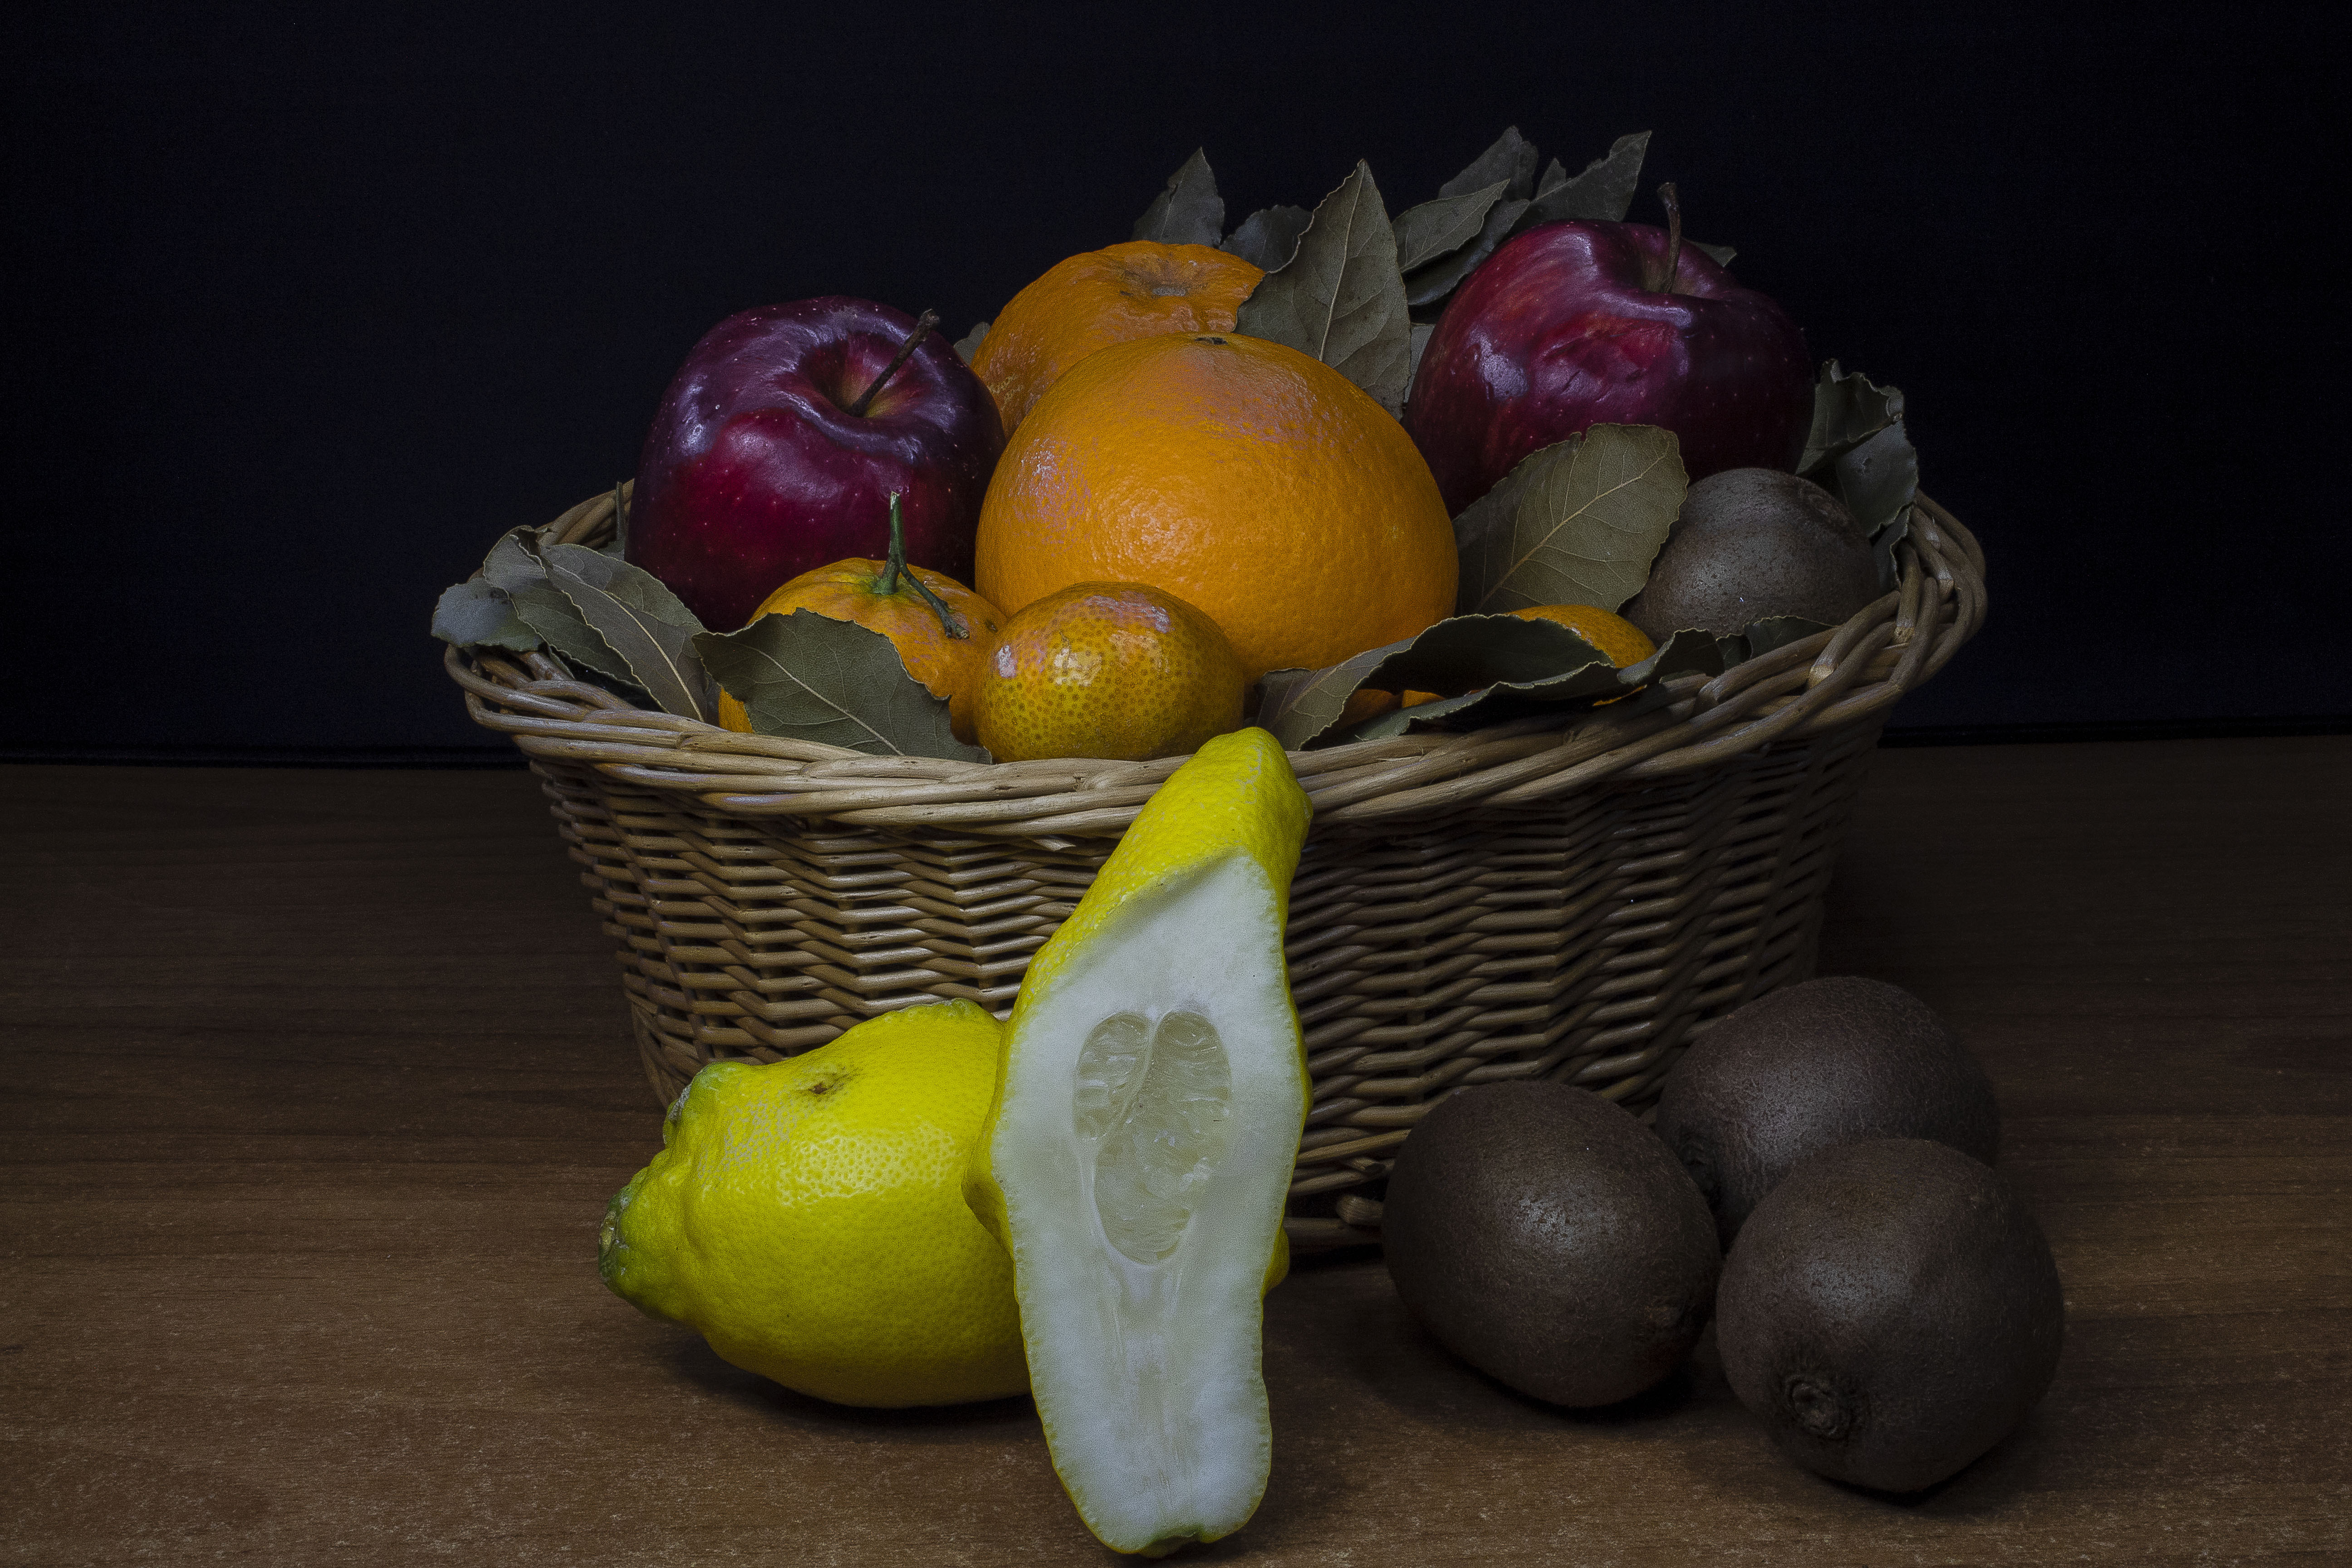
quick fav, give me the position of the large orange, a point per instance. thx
(1139, 289)
(1239, 475)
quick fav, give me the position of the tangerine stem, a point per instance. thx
(923, 325)
(949, 621)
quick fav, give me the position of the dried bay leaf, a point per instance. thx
(1578, 523)
(1440, 227)
(1427, 290)
(1268, 238)
(1877, 478)
(475, 614)
(1847, 410)
(640, 619)
(1421, 333)
(1759, 638)
(1510, 159)
(969, 344)
(515, 569)
(1689, 652)
(1501, 663)
(809, 677)
(1189, 211)
(1721, 255)
(1341, 298)
(1603, 192)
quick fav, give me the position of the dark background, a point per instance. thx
(304, 308)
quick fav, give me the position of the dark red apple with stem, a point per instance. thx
(778, 446)
(1574, 324)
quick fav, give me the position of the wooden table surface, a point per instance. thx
(317, 1083)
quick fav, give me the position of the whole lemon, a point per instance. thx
(1244, 476)
(1107, 669)
(807, 1217)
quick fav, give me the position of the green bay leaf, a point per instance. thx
(807, 676)
(1189, 211)
(1341, 298)
(1578, 523)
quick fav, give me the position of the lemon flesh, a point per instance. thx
(807, 1217)
(1137, 1158)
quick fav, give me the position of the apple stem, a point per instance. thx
(1673, 207)
(949, 621)
(923, 325)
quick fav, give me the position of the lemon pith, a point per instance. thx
(1139, 1152)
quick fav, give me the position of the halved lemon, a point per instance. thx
(1136, 1161)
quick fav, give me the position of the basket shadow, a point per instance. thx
(988, 1420)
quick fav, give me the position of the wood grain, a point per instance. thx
(317, 1082)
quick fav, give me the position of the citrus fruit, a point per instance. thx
(1614, 635)
(1137, 1154)
(1107, 669)
(807, 1217)
(1139, 289)
(1239, 475)
(941, 629)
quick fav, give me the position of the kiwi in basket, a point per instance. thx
(1751, 544)
(1826, 1062)
(1547, 1237)
(1890, 1312)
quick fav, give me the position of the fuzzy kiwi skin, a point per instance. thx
(1890, 1312)
(1753, 544)
(1547, 1237)
(1829, 1061)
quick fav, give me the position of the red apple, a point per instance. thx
(769, 458)
(1573, 324)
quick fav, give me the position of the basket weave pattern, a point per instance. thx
(1569, 896)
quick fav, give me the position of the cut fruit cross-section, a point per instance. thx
(1149, 1103)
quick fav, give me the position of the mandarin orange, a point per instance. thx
(1137, 290)
(1244, 476)
(1619, 638)
(944, 651)
(1107, 669)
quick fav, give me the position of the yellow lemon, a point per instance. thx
(1137, 1154)
(807, 1217)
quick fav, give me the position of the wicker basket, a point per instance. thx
(1571, 897)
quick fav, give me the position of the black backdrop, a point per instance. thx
(304, 307)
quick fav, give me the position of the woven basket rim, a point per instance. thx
(1846, 676)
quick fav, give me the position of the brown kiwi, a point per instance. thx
(1890, 1311)
(1753, 544)
(1829, 1061)
(1547, 1237)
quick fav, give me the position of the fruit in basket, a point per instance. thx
(774, 447)
(1107, 669)
(1583, 324)
(1753, 544)
(1139, 289)
(808, 1218)
(1139, 1153)
(1623, 642)
(942, 630)
(1830, 1061)
(1547, 1237)
(1891, 1311)
(1241, 476)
